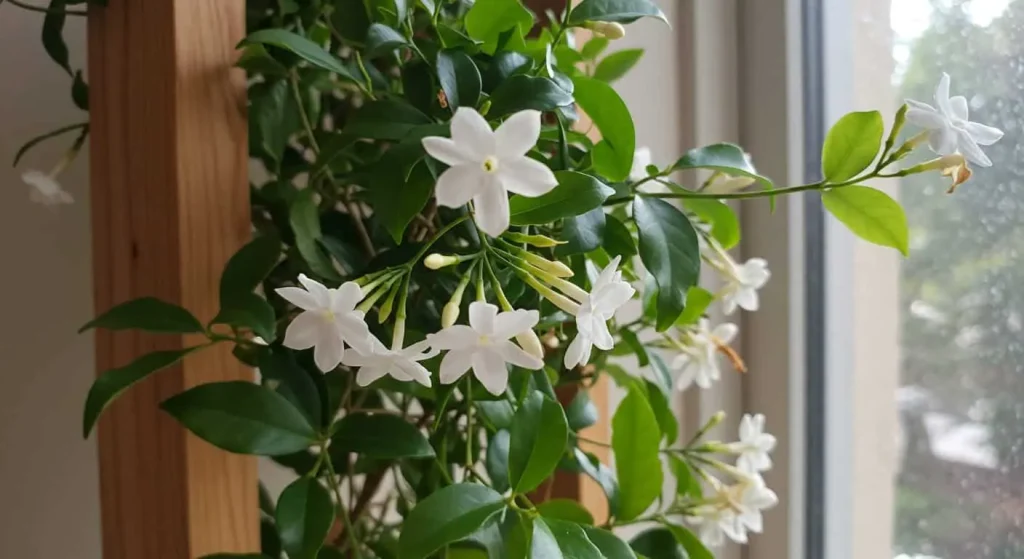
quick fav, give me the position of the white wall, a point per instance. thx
(49, 502)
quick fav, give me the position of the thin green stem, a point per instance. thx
(593, 442)
(423, 250)
(480, 295)
(346, 520)
(469, 422)
(496, 286)
(293, 79)
(47, 10)
(368, 88)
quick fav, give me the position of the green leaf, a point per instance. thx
(725, 226)
(459, 77)
(520, 92)
(256, 60)
(541, 542)
(664, 378)
(582, 412)
(503, 65)
(727, 158)
(248, 267)
(600, 473)
(249, 310)
(235, 556)
(663, 412)
(669, 250)
(851, 145)
(242, 417)
(294, 383)
(576, 194)
(382, 436)
(610, 545)
(618, 241)
(572, 540)
(616, 64)
(870, 214)
(114, 382)
(582, 233)
(496, 461)
(637, 348)
(565, 509)
(275, 117)
(53, 34)
(388, 119)
(446, 516)
(301, 47)
(304, 217)
(687, 484)
(498, 413)
(657, 543)
(635, 440)
(695, 549)
(381, 39)
(397, 197)
(697, 301)
(538, 437)
(613, 155)
(350, 19)
(84, 126)
(623, 11)
(594, 47)
(80, 91)
(486, 20)
(149, 314)
(305, 514)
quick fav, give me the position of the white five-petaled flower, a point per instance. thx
(609, 293)
(485, 346)
(742, 282)
(402, 364)
(485, 165)
(950, 130)
(733, 510)
(45, 189)
(754, 445)
(328, 323)
(697, 362)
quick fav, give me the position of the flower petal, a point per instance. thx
(924, 115)
(574, 353)
(511, 323)
(481, 317)
(447, 151)
(458, 184)
(517, 356)
(971, 150)
(526, 176)
(298, 297)
(472, 134)
(748, 428)
(489, 368)
(367, 375)
(517, 135)
(942, 96)
(415, 371)
(304, 330)
(454, 337)
(352, 329)
(329, 351)
(321, 294)
(959, 106)
(602, 337)
(607, 274)
(609, 299)
(942, 140)
(983, 135)
(491, 207)
(725, 332)
(345, 298)
(455, 364)
(747, 299)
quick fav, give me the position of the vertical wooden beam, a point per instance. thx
(169, 206)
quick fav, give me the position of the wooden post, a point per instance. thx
(169, 206)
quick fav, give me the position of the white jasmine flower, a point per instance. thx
(950, 130)
(485, 165)
(742, 282)
(328, 323)
(45, 189)
(697, 361)
(733, 510)
(402, 364)
(754, 445)
(609, 293)
(641, 159)
(485, 346)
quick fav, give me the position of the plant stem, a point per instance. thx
(346, 520)
(46, 10)
(293, 79)
(423, 250)
(469, 422)
(593, 442)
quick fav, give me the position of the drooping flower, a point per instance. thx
(485, 165)
(733, 510)
(609, 293)
(328, 322)
(485, 346)
(697, 362)
(45, 189)
(742, 282)
(401, 364)
(754, 445)
(950, 129)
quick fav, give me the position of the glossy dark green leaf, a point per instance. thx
(446, 516)
(304, 217)
(248, 267)
(242, 417)
(496, 461)
(635, 442)
(664, 378)
(487, 19)
(149, 314)
(572, 540)
(383, 436)
(610, 545)
(245, 310)
(565, 509)
(305, 514)
(576, 194)
(381, 39)
(387, 119)
(498, 413)
(624, 11)
(397, 197)
(521, 92)
(111, 384)
(274, 116)
(851, 145)
(657, 543)
(256, 60)
(503, 65)
(350, 19)
(583, 233)
(582, 412)
(687, 483)
(80, 91)
(537, 442)
(460, 79)
(870, 214)
(301, 47)
(618, 241)
(634, 345)
(662, 409)
(616, 64)
(602, 474)
(613, 155)
(727, 158)
(670, 251)
(295, 383)
(594, 47)
(725, 226)
(270, 541)
(695, 549)
(541, 543)
(83, 126)
(697, 301)
(53, 34)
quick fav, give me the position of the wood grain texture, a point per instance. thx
(169, 206)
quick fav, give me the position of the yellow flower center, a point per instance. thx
(490, 164)
(484, 340)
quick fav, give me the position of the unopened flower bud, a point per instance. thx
(449, 314)
(437, 261)
(485, 107)
(606, 29)
(530, 343)
(940, 163)
(539, 241)
(554, 268)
